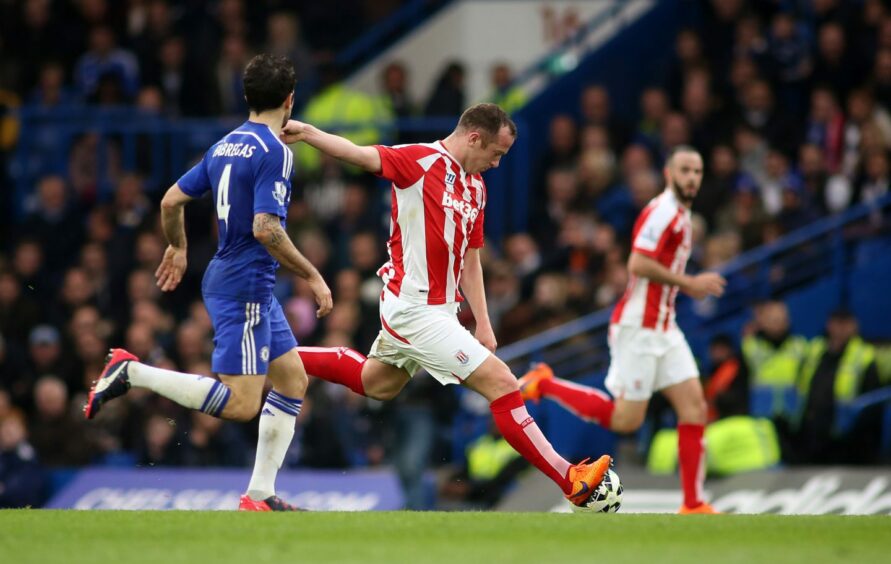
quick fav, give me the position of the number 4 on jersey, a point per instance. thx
(223, 195)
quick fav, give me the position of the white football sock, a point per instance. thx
(277, 420)
(188, 390)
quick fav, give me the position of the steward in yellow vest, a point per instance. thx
(838, 369)
(773, 355)
(492, 465)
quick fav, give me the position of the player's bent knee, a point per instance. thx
(384, 394)
(626, 422)
(493, 379)
(241, 409)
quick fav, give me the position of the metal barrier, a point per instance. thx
(578, 348)
(162, 148)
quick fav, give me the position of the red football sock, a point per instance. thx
(691, 458)
(336, 364)
(585, 402)
(520, 430)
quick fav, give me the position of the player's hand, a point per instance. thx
(323, 296)
(486, 336)
(293, 131)
(706, 284)
(173, 266)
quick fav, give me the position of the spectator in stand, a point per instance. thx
(562, 152)
(689, 58)
(721, 178)
(160, 446)
(874, 180)
(58, 432)
(182, 84)
(706, 126)
(395, 97)
(23, 481)
(758, 112)
(825, 127)
(881, 76)
(106, 60)
(447, 98)
(156, 21)
(51, 91)
(814, 175)
(654, 106)
(789, 58)
(19, 312)
(562, 197)
(284, 38)
(596, 109)
(727, 386)
(234, 55)
(46, 356)
(675, 131)
(834, 63)
(54, 214)
(863, 113)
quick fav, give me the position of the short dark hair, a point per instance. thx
(268, 80)
(487, 119)
(681, 149)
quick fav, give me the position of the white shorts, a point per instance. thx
(644, 361)
(416, 336)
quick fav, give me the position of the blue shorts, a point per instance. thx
(247, 335)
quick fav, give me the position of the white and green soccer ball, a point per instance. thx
(607, 498)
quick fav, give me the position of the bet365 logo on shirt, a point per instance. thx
(463, 207)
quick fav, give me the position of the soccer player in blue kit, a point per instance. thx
(249, 172)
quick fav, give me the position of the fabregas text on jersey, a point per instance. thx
(234, 150)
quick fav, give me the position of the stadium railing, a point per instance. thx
(162, 148)
(384, 33)
(565, 56)
(825, 248)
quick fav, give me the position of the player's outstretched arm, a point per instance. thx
(366, 158)
(474, 290)
(699, 286)
(269, 232)
(173, 265)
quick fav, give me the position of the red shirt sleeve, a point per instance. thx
(653, 231)
(400, 164)
(477, 236)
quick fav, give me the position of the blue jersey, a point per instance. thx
(249, 171)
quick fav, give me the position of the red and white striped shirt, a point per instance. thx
(662, 232)
(437, 213)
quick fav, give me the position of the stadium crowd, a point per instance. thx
(787, 101)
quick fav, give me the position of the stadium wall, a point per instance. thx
(803, 491)
(466, 32)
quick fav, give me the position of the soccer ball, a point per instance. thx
(607, 498)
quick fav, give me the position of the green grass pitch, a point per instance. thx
(169, 537)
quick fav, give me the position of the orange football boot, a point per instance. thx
(586, 478)
(701, 509)
(530, 381)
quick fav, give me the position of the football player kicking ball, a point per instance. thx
(649, 352)
(436, 233)
(249, 172)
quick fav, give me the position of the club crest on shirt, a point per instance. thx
(462, 357)
(280, 193)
